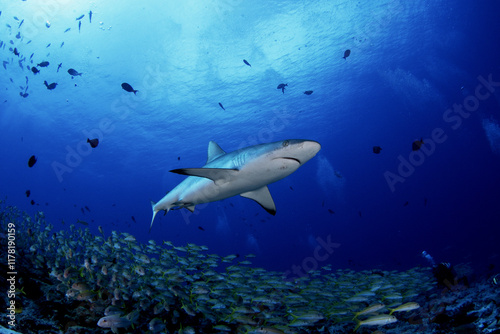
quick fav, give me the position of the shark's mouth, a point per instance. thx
(294, 159)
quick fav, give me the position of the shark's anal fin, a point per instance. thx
(218, 175)
(263, 197)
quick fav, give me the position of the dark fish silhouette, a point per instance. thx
(79, 25)
(201, 228)
(331, 211)
(425, 201)
(32, 202)
(16, 52)
(178, 158)
(23, 94)
(90, 17)
(377, 149)
(133, 219)
(308, 92)
(58, 67)
(80, 17)
(43, 64)
(73, 72)
(67, 30)
(28, 193)
(62, 44)
(128, 88)
(32, 161)
(282, 87)
(220, 104)
(406, 203)
(93, 142)
(51, 86)
(247, 63)
(83, 211)
(87, 208)
(415, 146)
(20, 24)
(346, 53)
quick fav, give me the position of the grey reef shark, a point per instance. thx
(245, 172)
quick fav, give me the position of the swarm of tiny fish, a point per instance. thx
(121, 285)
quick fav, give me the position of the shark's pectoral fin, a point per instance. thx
(263, 197)
(190, 208)
(218, 175)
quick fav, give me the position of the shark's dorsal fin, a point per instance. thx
(214, 151)
(263, 197)
(218, 175)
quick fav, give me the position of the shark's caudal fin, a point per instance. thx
(154, 214)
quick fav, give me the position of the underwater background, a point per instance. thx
(417, 72)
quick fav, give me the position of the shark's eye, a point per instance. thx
(285, 143)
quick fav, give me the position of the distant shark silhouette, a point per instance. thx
(245, 172)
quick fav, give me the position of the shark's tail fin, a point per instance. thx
(154, 214)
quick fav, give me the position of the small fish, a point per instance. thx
(81, 209)
(282, 87)
(28, 193)
(291, 188)
(368, 310)
(67, 30)
(48, 45)
(114, 322)
(247, 63)
(23, 94)
(415, 146)
(15, 18)
(73, 72)
(82, 222)
(62, 44)
(32, 202)
(79, 25)
(87, 208)
(128, 88)
(44, 64)
(346, 53)
(377, 149)
(20, 24)
(32, 161)
(58, 67)
(51, 86)
(377, 320)
(93, 142)
(31, 57)
(90, 17)
(308, 92)
(405, 307)
(201, 228)
(406, 203)
(133, 219)
(47, 24)
(80, 17)
(220, 104)
(16, 52)
(331, 211)
(425, 201)
(18, 35)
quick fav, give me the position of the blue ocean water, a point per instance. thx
(411, 67)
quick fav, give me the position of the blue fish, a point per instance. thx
(79, 25)
(67, 30)
(80, 17)
(20, 24)
(90, 17)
